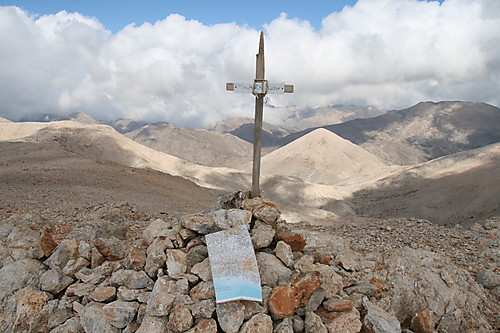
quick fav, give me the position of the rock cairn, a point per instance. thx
(311, 281)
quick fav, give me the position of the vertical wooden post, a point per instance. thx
(260, 87)
(257, 130)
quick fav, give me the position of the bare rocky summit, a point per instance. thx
(97, 237)
(152, 274)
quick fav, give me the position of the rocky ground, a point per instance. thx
(92, 246)
(120, 268)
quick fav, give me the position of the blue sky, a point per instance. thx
(169, 61)
(115, 15)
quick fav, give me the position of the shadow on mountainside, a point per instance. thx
(458, 198)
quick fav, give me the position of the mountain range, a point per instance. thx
(435, 161)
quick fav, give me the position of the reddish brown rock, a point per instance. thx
(338, 305)
(46, 243)
(180, 319)
(381, 285)
(203, 290)
(423, 322)
(304, 285)
(136, 258)
(282, 302)
(103, 294)
(257, 203)
(323, 258)
(110, 248)
(205, 326)
(285, 299)
(345, 322)
(296, 241)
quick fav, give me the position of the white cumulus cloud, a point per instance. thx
(387, 53)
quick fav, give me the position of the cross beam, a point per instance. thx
(260, 87)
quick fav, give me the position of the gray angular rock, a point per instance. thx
(72, 325)
(196, 254)
(157, 228)
(377, 320)
(176, 262)
(93, 321)
(488, 278)
(298, 324)
(230, 316)
(19, 274)
(120, 313)
(74, 266)
(80, 289)
(286, 326)
(85, 250)
(126, 294)
(54, 281)
(259, 323)
(152, 324)
(315, 300)
(155, 255)
(331, 282)
(160, 300)
(203, 270)
(216, 221)
(65, 251)
(284, 253)
(314, 324)
(203, 309)
(60, 312)
(267, 214)
(272, 270)
(96, 258)
(367, 289)
(230, 218)
(305, 264)
(262, 235)
(131, 279)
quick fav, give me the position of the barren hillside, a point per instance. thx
(322, 157)
(422, 132)
(200, 146)
(458, 189)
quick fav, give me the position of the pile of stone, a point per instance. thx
(311, 282)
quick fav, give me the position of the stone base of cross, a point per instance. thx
(260, 87)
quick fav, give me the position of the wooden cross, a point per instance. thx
(260, 87)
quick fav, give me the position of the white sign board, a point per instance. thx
(276, 88)
(259, 88)
(233, 264)
(243, 87)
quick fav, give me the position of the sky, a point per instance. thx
(169, 61)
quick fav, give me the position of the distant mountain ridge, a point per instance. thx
(200, 146)
(322, 157)
(422, 132)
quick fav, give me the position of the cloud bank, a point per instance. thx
(386, 53)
